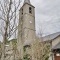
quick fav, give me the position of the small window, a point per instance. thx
(22, 11)
(30, 10)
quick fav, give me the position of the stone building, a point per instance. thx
(29, 46)
(54, 40)
(26, 30)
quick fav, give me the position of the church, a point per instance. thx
(26, 30)
(28, 46)
(27, 38)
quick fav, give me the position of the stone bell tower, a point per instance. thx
(26, 29)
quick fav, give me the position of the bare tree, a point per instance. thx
(41, 48)
(44, 45)
(8, 20)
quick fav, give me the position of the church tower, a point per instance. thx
(26, 28)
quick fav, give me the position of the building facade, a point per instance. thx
(26, 29)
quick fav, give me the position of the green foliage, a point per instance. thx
(47, 58)
(7, 42)
(26, 57)
(14, 41)
(26, 46)
(48, 46)
(0, 45)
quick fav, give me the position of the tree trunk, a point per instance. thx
(3, 51)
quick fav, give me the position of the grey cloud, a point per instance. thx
(47, 15)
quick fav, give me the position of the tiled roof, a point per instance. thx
(51, 36)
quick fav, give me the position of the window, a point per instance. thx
(22, 11)
(30, 10)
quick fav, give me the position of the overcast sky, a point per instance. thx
(47, 15)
